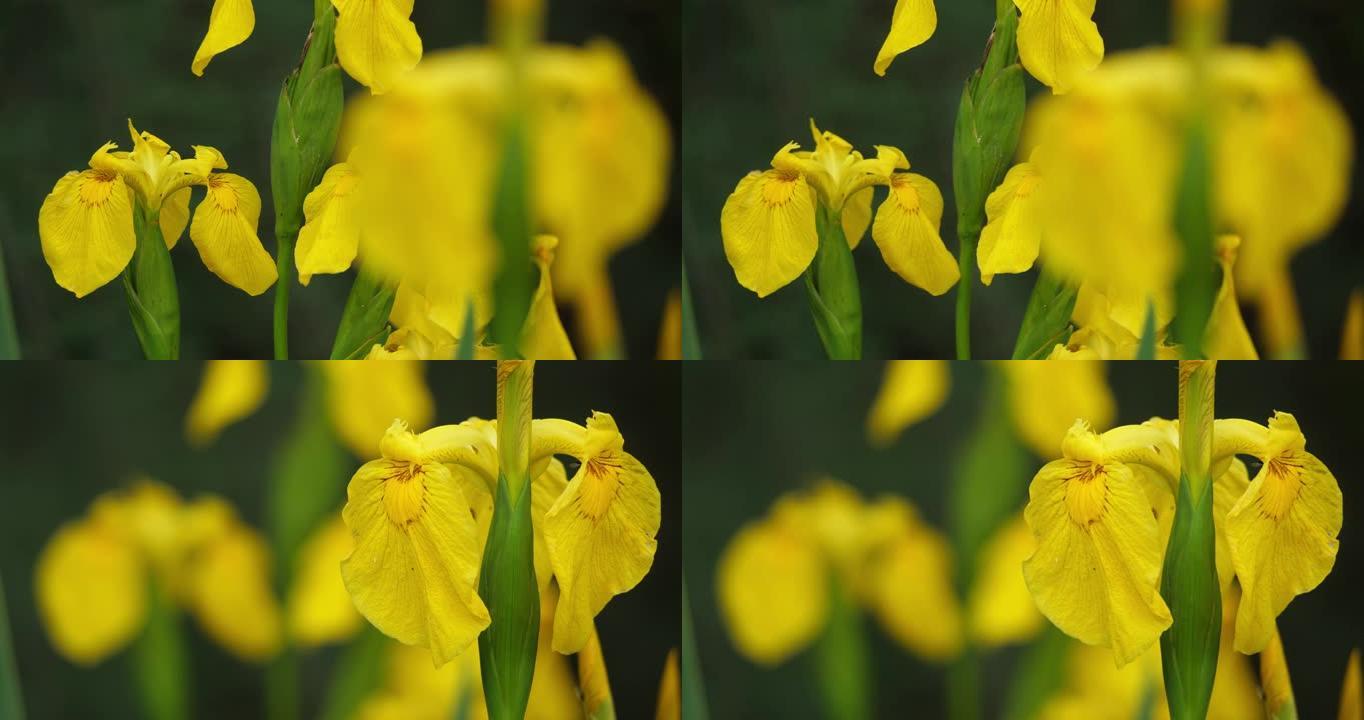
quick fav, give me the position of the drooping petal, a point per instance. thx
(229, 25)
(1058, 41)
(1282, 532)
(911, 391)
(857, 216)
(320, 610)
(910, 587)
(1010, 241)
(601, 531)
(414, 570)
(224, 231)
(174, 216)
(376, 41)
(1096, 570)
(231, 595)
(768, 228)
(906, 231)
(365, 397)
(328, 241)
(773, 591)
(1001, 609)
(1045, 399)
(911, 25)
(91, 591)
(230, 390)
(86, 228)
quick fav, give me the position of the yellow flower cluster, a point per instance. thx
(1102, 514)
(768, 223)
(419, 517)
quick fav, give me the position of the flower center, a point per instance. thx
(96, 188)
(601, 484)
(1086, 494)
(405, 493)
(1283, 482)
(780, 189)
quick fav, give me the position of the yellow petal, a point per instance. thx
(1280, 318)
(1096, 570)
(1001, 609)
(376, 41)
(670, 690)
(230, 390)
(1227, 488)
(768, 228)
(1352, 330)
(86, 228)
(1058, 41)
(231, 595)
(601, 532)
(1010, 241)
(229, 25)
(910, 587)
(91, 591)
(906, 231)
(150, 515)
(1045, 399)
(773, 591)
(857, 216)
(328, 241)
(670, 328)
(365, 397)
(543, 336)
(545, 490)
(414, 570)
(592, 679)
(1278, 687)
(320, 610)
(1282, 532)
(1226, 336)
(224, 231)
(911, 25)
(910, 391)
(175, 216)
(1352, 690)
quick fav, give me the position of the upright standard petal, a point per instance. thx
(376, 41)
(906, 230)
(86, 228)
(911, 25)
(229, 25)
(91, 591)
(224, 231)
(1058, 41)
(1010, 241)
(910, 391)
(328, 241)
(175, 216)
(1096, 570)
(773, 591)
(414, 570)
(230, 390)
(231, 595)
(1282, 532)
(857, 216)
(320, 610)
(768, 228)
(601, 531)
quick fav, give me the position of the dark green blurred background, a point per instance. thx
(751, 436)
(73, 71)
(73, 430)
(755, 71)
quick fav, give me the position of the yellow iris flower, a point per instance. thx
(774, 578)
(1000, 609)
(319, 610)
(1058, 41)
(768, 222)
(910, 391)
(420, 514)
(92, 577)
(376, 41)
(87, 228)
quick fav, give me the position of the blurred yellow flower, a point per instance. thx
(319, 609)
(910, 391)
(670, 690)
(229, 591)
(1045, 399)
(86, 223)
(1001, 611)
(1058, 41)
(364, 397)
(1352, 690)
(229, 391)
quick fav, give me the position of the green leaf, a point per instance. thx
(1046, 322)
(364, 322)
(11, 697)
(693, 684)
(506, 650)
(467, 339)
(1146, 350)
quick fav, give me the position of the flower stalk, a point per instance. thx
(1189, 581)
(149, 286)
(841, 659)
(832, 287)
(507, 580)
(11, 698)
(160, 662)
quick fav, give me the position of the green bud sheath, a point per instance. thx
(831, 284)
(1189, 580)
(149, 286)
(364, 322)
(1046, 322)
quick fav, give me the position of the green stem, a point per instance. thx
(11, 697)
(966, 261)
(284, 264)
(693, 684)
(963, 686)
(841, 660)
(160, 660)
(281, 686)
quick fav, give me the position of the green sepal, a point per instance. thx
(1046, 322)
(150, 289)
(832, 288)
(507, 584)
(364, 322)
(1190, 587)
